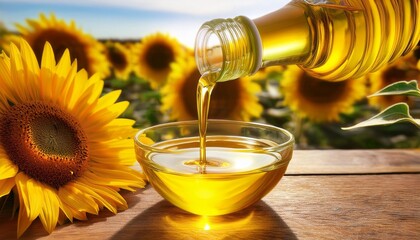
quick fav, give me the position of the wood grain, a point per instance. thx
(320, 206)
(354, 161)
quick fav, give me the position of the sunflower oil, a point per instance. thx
(332, 40)
(242, 175)
(204, 88)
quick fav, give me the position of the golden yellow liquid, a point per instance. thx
(246, 175)
(204, 88)
(340, 41)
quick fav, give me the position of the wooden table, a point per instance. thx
(326, 194)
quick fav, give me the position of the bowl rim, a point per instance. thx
(289, 142)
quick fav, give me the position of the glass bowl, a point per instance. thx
(245, 160)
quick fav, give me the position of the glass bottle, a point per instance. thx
(332, 40)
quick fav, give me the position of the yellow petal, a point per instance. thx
(67, 212)
(88, 101)
(69, 92)
(116, 129)
(121, 178)
(145, 140)
(71, 213)
(108, 99)
(6, 185)
(47, 72)
(5, 75)
(77, 88)
(105, 116)
(17, 73)
(72, 196)
(29, 202)
(97, 84)
(50, 210)
(16, 60)
(63, 64)
(30, 192)
(114, 152)
(23, 220)
(7, 168)
(112, 200)
(111, 149)
(48, 59)
(90, 94)
(30, 70)
(67, 85)
(30, 61)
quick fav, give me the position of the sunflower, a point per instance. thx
(401, 70)
(153, 56)
(119, 56)
(89, 52)
(63, 151)
(319, 100)
(234, 99)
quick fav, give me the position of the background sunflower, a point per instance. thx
(88, 51)
(399, 71)
(120, 59)
(153, 56)
(235, 100)
(319, 100)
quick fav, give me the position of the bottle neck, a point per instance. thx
(229, 48)
(232, 48)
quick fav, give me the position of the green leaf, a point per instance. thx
(408, 88)
(398, 112)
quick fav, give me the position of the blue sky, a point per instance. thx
(135, 18)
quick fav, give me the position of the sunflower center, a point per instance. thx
(45, 142)
(224, 98)
(159, 56)
(393, 74)
(320, 91)
(117, 58)
(60, 41)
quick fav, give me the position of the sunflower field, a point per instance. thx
(157, 75)
(62, 85)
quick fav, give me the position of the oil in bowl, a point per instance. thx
(245, 161)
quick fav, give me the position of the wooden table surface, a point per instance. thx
(326, 194)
